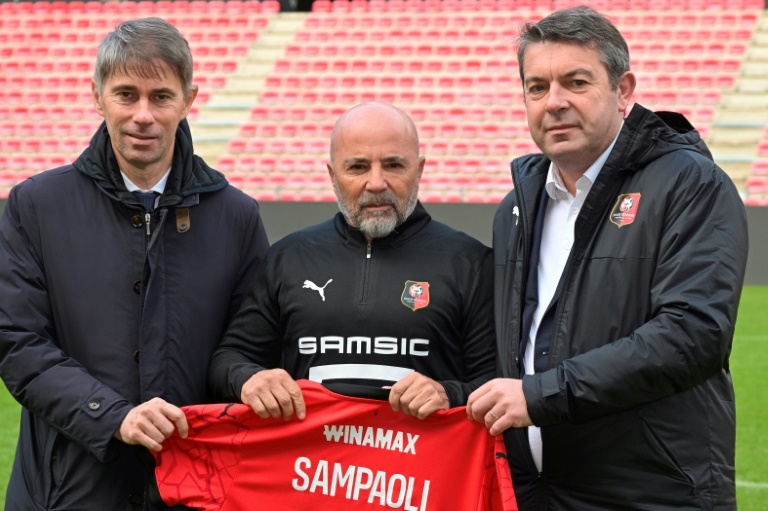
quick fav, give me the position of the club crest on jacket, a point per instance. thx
(625, 210)
(415, 295)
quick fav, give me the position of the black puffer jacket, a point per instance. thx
(637, 410)
(97, 316)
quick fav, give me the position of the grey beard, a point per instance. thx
(377, 225)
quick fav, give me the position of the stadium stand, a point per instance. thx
(272, 83)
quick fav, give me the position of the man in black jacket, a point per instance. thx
(619, 261)
(381, 295)
(117, 281)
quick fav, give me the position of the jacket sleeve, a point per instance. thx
(694, 294)
(478, 339)
(252, 340)
(254, 250)
(37, 372)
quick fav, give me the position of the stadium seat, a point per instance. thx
(447, 61)
(226, 163)
(760, 167)
(756, 185)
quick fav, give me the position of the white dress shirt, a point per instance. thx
(556, 242)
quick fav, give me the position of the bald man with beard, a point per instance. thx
(380, 296)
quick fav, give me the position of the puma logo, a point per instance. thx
(226, 413)
(308, 284)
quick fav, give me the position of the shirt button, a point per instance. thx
(137, 221)
(136, 356)
(137, 287)
(94, 405)
(135, 499)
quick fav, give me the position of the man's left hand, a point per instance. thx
(418, 395)
(500, 405)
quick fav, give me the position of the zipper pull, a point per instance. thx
(368, 251)
(147, 220)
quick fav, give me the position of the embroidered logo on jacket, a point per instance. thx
(625, 210)
(308, 284)
(415, 295)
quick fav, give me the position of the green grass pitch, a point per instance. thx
(749, 366)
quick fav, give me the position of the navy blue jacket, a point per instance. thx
(97, 315)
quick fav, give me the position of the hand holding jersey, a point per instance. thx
(418, 395)
(273, 393)
(150, 423)
(500, 405)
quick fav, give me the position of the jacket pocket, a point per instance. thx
(666, 457)
(46, 483)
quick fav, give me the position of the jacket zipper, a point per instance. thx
(526, 264)
(541, 487)
(147, 221)
(366, 271)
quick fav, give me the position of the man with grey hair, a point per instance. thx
(119, 273)
(381, 296)
(620, 258)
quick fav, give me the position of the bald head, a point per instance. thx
(375, 167)
(363, 117)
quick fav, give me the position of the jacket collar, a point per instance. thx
(189, 176)
(417, 221)
(648, 135)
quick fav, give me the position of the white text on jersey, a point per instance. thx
(361, 344)
(394, 491)
(371, 437)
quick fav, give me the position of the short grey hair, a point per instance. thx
(582, 25)
(140, 47)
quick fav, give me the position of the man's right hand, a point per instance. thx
(273, 393)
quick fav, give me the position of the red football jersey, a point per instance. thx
(348, 454)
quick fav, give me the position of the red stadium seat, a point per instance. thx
(760, 167)
(449, 69)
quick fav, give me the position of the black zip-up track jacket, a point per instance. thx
(331, 308)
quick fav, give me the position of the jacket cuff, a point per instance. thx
(105, 411)
(454, 392)
(544, 397)
(238, 377)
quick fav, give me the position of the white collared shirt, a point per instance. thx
(556, 243)
(159, 186)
